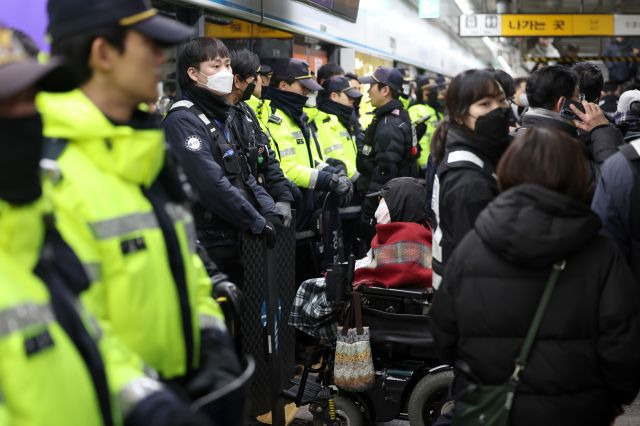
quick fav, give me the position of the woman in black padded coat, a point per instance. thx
(585, 362)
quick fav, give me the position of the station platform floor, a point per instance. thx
(631, 417)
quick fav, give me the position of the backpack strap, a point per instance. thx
(185, 105)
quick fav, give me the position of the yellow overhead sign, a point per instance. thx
(557, 25)
(506, 25)
(243, 29)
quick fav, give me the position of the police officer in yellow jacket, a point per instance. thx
(334, 123)
(425, 119)
(118, 201)
(57, 367)
(296, 146)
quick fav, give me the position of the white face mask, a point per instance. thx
(382, 213)
(523, 100)
(311, 100)
(221, 82)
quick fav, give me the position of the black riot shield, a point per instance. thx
(269, 290)
(331, 224)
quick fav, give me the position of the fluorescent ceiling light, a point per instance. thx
(505, 66)
(492, 45)
(465, 6)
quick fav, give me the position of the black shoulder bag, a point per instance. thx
(490, 405)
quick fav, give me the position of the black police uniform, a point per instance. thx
(229, 199)
(390, 146)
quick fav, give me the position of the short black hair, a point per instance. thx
(609, 86)
(276, 79)
(351, 76)
(244, 63)
(328, 70)
(590, 80)
(518, 81)
(506, 82)
(629, 85)
(394, 93)
(548, 84)
(196, 51)
(75, 49)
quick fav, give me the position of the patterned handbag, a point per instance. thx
(353, 367)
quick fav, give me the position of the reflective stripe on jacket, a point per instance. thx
(149, 284)
(419, 114)
(299, 158)
(45, 378)
(336, 142)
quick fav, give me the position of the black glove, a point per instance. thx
(340, 184)
(421, 129)
(339, 166)
(224, 288)
(345, 199)
(269, 234)
(219, 364)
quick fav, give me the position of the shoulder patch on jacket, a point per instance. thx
(193, 143)
(395, 111)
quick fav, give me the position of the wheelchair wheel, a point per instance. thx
(428, 398)
(347, 414)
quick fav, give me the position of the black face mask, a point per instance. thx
(20, 153)
(248, 92)
(356, 105)
(494, 125)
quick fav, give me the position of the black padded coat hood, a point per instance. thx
(534, 226)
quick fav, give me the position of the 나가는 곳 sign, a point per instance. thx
(565, 25)
(557, 25)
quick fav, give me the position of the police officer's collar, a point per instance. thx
(291, 103)
(389, 107)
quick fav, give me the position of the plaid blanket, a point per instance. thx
(401, 257)
(627, 118)
(312, 313)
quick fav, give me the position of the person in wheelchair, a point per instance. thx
(400, 255)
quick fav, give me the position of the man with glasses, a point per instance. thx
(550, 92)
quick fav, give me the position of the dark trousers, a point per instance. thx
(229, 261)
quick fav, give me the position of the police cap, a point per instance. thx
(265, 70)
(340, 84)
(296, 69)
(18, 70)
(386, 75)
(71, 17)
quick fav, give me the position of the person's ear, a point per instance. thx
(237, 81)
(559, 102)
(193, 74)
(386, 91)
(102, 55)
(283, 85)
(334, 96)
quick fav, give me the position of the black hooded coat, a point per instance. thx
(586, 356)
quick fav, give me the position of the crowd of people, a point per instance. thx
(121, 227)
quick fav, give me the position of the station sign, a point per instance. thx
(564, 25)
